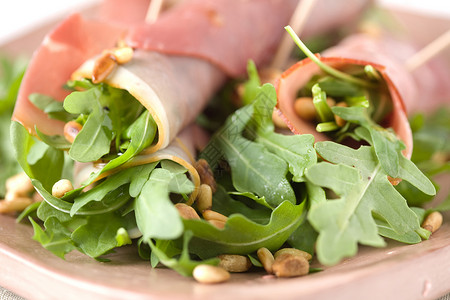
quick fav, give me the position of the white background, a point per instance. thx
(19, 16)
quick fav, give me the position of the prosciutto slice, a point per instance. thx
(179, 63)
(423, 89)
(233, 31)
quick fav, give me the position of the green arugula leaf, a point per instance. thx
(387, 146)
(253, 167)
(94, 139)
(122, 237)
(98, 235)
(37, 159)
(296, 150)
(54, 109)
(224, 204)
(156, 216)
(260, 200)
(142, 133)
(55, 141)
(252, 85)
(363, 191)
(339, 88)
(183, 265)
(55, 238)
(243, 236)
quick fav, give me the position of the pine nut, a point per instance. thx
(331, 102)
(122, 55)
(186, 211)
(266, 258)
(210, 274)
(234, 263)
(204, 197)
(19, 184)
(288, 265)
(213, 215)
(14, 205)
(206, 174)
(217, 223)
(305, 109)
(71, 130)
(293, 251)
(433, 221)
(277, 120)
(104, 65)
(61, 187)
(339, 121)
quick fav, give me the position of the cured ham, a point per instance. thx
(407, 92)
(211, 40)
(229, 43)
(422, 89)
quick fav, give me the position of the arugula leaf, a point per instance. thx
(253, 167)
(11, 71)
(224, 204)
(387, 146)
(363, 191)
(142, 133)
(54, 109)
(94, 139)
(37, 159)
(98, 235)
(183, 265)
(252, 85)
(56, 237)
(156, 216)
(243, 236)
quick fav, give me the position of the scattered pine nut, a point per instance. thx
(213, 215)
(71, 130)
(394, 181)
(61, 187)
(234, 263)
(104, 65)
(19, 184)
(186, 211)
(204, 197)
(210, 274)
(433, 221)
(266, 258)
(339, 121)
(305, 109)
(206, 174)
(289, 265)
(14, 205)
(122, 55)
(331, 102)
(293, 251)
(217, 223)
(277, 120)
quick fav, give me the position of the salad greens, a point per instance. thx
(11, 73)
(276, 190)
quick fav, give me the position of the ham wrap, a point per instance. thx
(174, 88)
(299, 74)
(407, 90)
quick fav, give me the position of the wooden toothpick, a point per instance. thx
(428, 52)
(153, 11)
(297, 22)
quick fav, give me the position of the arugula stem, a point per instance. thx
(321, 105)
(327, 126)
(325, 67)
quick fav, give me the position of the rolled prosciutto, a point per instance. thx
(405, 92)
